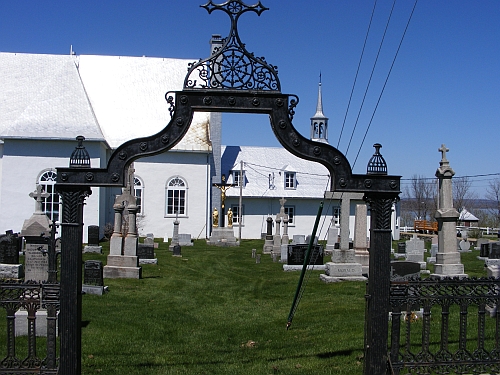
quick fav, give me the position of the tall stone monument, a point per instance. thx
(268, 242)
(361, 253)
(447, 258)
(38, 225)
(343, 266)
(122, 260)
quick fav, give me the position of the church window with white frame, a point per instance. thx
(51, 205)
(238, 178)
(290, 180)
(236, 216)
(176, 197)
(139, 194)
(290, 211)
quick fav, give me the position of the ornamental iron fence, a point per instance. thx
(440, 326)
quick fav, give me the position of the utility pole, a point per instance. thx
(241, 199)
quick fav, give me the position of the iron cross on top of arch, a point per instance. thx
(233, 80)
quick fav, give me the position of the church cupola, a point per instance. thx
(319, 122)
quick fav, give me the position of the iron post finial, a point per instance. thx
(80, 157)
(377, 164)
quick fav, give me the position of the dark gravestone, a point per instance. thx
(93, 235)
(401, 270)
(401, 247)
(494, 250)
(10, 245)
(145, 251)
(176, 251)
(92, 273)
(484, 250)
(297, 253)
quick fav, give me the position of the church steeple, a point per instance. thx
(319, 122)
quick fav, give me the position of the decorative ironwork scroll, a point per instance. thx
(231, 66)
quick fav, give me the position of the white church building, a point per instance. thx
(47, 101)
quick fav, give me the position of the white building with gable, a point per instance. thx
(47, 101)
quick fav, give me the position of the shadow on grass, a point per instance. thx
(345, 353)
(325, 355)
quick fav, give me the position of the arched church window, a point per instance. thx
(176, 191)
(139, 194)
(51, 204)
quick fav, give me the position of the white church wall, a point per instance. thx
(155, 172)
(22, 163)
(256, 211)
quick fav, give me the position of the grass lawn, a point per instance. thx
(215, 311)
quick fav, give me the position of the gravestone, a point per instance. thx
(464, 246)
(494, 250)
(150, 240)
(146, 254)
(360, 244)
(401, 250)
(415, 249)
(296, 255)
(308, 239)
(401, 247)
(36, 264)
(176, 251)
(268, 243)
(298, 239)
(484, 250)
(332, 240)
(284, 253)
(434, 250)
(185, 239)
(93, 240)
(479, 242)
(402, 270)
(10, 245)
(93, 279)
(122, 261)
(448, 262)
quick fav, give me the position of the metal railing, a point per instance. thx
(440, 326)
(31, 297)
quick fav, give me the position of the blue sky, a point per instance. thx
(443, 88)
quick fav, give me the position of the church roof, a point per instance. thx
(42, 97)
(264, 169)
(106, 98)
(128, 97)
(467, 216)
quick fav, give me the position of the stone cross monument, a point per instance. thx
(447, 258)
(122, 259)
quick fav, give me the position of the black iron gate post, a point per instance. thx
(378, 288)
(70, 321)
(71, 280)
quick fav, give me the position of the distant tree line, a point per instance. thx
(419, 200)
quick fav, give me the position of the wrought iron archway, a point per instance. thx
(231, 80)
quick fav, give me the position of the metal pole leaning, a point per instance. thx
(304, 268)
